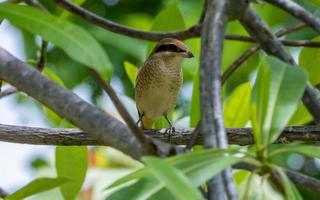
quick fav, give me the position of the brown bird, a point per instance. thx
(159, 81)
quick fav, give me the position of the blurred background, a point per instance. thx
(22, 163)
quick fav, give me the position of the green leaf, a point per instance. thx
(291, 191)
(195, 102)
(51, 75)
(36, 186)
(300, 117)
(121, 42)
(309, 59)
(175, 181)
(276, 95)
(132, 176)
(237, 107)
(259, 103)
(71, 163)
(146, 188)
(198, 166)
(314, 2)
(307, 150)
(170, 14)
(74, 40)
(131, 71)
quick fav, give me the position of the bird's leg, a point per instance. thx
(171, 130)
(140, 120)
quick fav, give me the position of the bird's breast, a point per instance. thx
(157, 90)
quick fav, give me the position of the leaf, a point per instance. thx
(170, 14)
(175, 181)
(121, 42)
(259, 103)
(314, 2)
(276, 94)
(131, 72)
(291, 191)
(237, 108)
(309, 59)
(74, 40)
(198, 166)
(300, 117)
(307, 150)
(71, 163)
(195, 102)
(36, 186)
(51, 75)
(146, 188)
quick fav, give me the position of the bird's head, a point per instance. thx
(170, 48)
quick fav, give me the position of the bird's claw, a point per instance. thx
(170, 132)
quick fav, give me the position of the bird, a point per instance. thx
(159, 81)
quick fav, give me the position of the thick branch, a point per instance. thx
(68, 105)
(74, 136)
(211, 110)
(297, 11)
(270, 44)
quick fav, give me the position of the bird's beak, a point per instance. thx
(187, 54)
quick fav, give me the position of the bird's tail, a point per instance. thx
(146, 122)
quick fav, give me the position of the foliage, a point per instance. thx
(263, 94)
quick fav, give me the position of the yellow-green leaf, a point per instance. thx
(131, 72)
(237, 108)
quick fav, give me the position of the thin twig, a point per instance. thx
(193, 31)
(145, 143)
(238, 62)
(42, 57)
(291, 43)
(297, 11)
(291, 29)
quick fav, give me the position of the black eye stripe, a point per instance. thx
(169, 47)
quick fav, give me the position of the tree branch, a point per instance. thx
(297, 11)
(212, 125)
(193, 31)
(270, 44)
(74, 136)
(68, 105)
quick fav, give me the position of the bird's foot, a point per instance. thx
(170, 132)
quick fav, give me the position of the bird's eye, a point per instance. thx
(168, 48)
